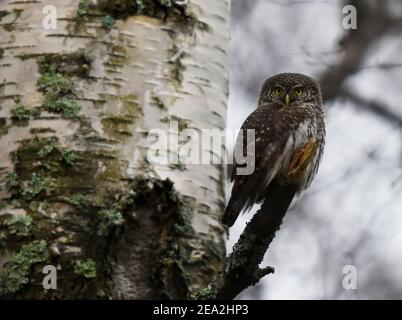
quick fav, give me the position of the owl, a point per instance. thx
(289, 133)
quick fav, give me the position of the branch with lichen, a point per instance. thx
(241, 268)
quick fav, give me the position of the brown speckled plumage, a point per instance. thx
(289, 141)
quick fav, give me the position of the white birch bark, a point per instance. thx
(130, 90)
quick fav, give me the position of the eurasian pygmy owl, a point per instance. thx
(289, 141)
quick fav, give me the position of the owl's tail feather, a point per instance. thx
(232, 211)
(274, 208)
(277, 201)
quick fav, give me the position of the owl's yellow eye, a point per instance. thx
(278, 91)
(299, 91)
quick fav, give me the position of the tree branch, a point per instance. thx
(375, 107)
(241, 269)
(374, 22)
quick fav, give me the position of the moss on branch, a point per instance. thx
(241, 268)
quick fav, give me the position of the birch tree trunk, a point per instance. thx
(76, 105)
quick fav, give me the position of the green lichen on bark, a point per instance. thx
(80, 237)
(19, 225)
(17, 272)
(78, 201)
(10, 26)
(104, 213)
(20, 114)
(69, 170)
(68, 156)
(181, 261)
(85, 268)
(39, 196)
(38, 185)
(108, 22)
(39, 163)
(59, 73)
(69, 64)
(83, 7)
(108, 218)
(58, 93)
(169, 11)
(122, 9)
(11, 180)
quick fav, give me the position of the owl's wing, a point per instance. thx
(259, 121)
(269, 147)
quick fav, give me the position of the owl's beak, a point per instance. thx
(287, 99)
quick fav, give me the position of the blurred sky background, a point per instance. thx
(352, 213)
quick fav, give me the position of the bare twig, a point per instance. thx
(375, 107)
(381, 66)
(374, 22)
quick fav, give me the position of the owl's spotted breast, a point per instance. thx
(302, 150)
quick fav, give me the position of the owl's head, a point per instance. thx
(290, 90)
